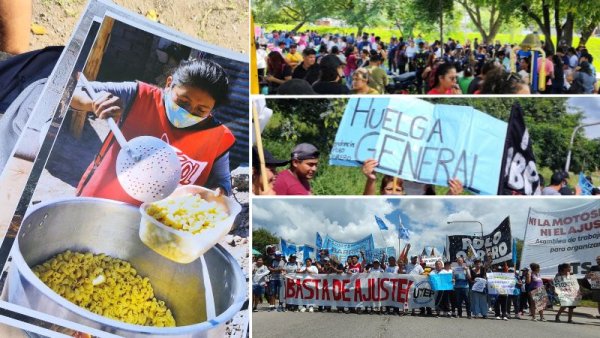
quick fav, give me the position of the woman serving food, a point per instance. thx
(180, 114)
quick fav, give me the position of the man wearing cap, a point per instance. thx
(271, 164)
(276, 267)
(293, 58)
(303, 166)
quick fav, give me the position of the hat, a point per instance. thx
(270, 161)
(278, 253)
(305, 151)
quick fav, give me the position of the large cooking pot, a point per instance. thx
(103, 226)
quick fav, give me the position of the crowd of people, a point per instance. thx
(305, 63)
(304, 161)
(462, 301)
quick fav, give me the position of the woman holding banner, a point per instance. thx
(564, 271)
(479, 303)
(534, 282)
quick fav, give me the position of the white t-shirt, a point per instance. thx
(414, 269)
(259, 274)
(376, 270)
(291, 267)
(392, 269)
(261, 58)
(311, 269)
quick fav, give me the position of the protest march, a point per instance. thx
(477, 276)
(412, 146)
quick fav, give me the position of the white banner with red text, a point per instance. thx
(373, 289)
(563, 236)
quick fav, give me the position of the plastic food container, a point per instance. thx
(182, 246)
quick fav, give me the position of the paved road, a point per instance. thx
(290, 325)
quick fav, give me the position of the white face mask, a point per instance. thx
(178, 116)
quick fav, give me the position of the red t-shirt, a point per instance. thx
(434, 91)
(287, 184)
(355, 268)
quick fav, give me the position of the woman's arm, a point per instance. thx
(220, 175)
(368, 170)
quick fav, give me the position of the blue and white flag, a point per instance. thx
(403, 232)
(319, 242)
(585, 185)
(381, 223)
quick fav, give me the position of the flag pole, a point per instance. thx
(259, 148)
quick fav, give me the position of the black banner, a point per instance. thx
(519, 175)
(497, 244)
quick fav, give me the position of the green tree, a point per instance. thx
(402, 14)
(434, 11)
(261, 238)
(499, 11)
(303, 11)
(587, 19)
(558, 13)
(360, 13)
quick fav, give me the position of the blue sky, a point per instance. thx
(591, 109)
(351, 219)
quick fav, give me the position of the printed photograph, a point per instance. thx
(376, 267)
(423, 146)
(426, 47)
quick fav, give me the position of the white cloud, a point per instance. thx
(351, 219)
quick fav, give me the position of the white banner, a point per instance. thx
(501, 283)
(359, 290)
(567, 290)
(564, 236)
(594, 280)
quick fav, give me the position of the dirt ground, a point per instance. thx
(220, 22)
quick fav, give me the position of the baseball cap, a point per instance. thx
(305, 151)
(270, 161)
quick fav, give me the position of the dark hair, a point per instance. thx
(206, 75)
(585, 68)
(322, 49)
(309, 51)
(349, 50)
(328, 70)
(295, 87)
(275, 64)
(442, 70)
(488, 66)
(556, 178)
(499, 81)
(468, 71)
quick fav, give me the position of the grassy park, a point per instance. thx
(315, 121)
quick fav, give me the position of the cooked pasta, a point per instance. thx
(106, 286)
(189, 213)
